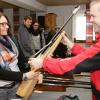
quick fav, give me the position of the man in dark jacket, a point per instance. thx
(26, 45)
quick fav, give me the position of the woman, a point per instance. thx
(10, 74)
(38, 36)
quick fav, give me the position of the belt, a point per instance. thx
(8, 86)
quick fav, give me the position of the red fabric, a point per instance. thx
(93, 97)
(60, 66)
(95, 78)
(76, 49)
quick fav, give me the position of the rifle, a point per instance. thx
(26, 87)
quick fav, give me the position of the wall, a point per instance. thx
(81, 12)
(63, 13)
(23, 13)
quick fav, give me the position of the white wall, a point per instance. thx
(81, 12)
(63, 13)
(23, 13)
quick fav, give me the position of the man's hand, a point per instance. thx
(67, 42)
(36, 63)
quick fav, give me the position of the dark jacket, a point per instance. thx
(7, 74)
(25, 41)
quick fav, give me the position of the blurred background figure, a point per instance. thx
(61, 50)
(38, 36)
(26, 43)
(46, 33)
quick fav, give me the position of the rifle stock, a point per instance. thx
(26, 87)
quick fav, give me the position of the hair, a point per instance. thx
(92, 2)
(37, 23)
(38, 30)
(27, 17)
(9, 30)
(1, 14)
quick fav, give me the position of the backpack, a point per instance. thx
(66, 97)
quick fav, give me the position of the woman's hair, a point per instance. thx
(36, 23)
(38, 30)
(1, 14)
(9, 30)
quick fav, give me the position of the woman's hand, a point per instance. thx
(32, 75)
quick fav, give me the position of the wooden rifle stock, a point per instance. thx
(26, 87)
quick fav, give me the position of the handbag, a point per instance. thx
(68, 97)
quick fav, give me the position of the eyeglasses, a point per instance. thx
(4, 24)
(35, 25)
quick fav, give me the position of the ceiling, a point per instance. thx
(6, 5)
(62, 2)
(49, 3)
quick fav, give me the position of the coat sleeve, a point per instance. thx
(43, 39)
(76, 49)
(86, 60)
(10, 75)
(25, 40)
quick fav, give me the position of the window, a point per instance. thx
(80, 28)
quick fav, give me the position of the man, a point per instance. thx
(25, 41)
(86, 60)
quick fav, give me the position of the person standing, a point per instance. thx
(38, 36)
(85, 59)
(10, 74)
(26, 43)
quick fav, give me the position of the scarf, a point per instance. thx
(8, 56)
